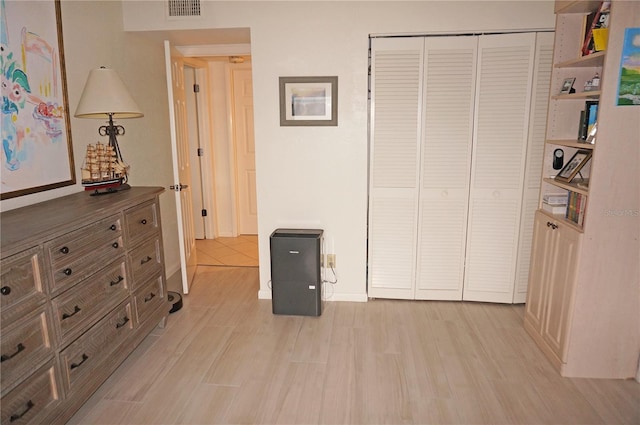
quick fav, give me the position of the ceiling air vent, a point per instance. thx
(179, 8)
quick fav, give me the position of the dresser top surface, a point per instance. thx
(30, 224)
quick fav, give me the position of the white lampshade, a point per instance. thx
(105, 94)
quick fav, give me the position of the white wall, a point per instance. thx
(93, 37)
(317, 176)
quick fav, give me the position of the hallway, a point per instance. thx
(241, 251)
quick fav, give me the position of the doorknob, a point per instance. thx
(178, 187)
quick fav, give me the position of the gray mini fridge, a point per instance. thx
(296, 278)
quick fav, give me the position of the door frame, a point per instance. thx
(207, 175)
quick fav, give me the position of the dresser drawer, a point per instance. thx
(87, 352)
(93, 257)
(76, 310)
(141, 222)
(68, 248)
(32, 400)
(22, 283)
(149, 297)
(25, 345)
(146, 260)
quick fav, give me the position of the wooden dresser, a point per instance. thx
(83, 283)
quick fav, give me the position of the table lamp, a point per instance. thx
(105, 97)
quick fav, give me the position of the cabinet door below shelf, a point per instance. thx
(562, 282)
(552, 282)
(539, 271)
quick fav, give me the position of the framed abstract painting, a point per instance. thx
(37, 152)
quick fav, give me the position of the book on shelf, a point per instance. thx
(555, 198)
(576, 207)
(599, 23)
(555, 209)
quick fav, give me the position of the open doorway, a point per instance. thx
(220, 110)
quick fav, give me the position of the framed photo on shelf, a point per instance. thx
(567, 86)
(573, 167)
(36, 132)
(308, 101)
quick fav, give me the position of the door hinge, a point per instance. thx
(196, 88)
(204, 213)
(200, 152)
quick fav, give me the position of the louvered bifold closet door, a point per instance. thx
(535, 148)
(396, 75)
(503, 96)
(449, 91)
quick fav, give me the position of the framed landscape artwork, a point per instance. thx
(37, 153)
(629, 83)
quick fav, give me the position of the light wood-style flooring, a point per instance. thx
(225, 358)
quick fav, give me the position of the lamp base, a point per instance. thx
(107, 189)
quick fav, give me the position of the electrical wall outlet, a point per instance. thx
(331, 260)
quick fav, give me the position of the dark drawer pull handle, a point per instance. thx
(64, 250)
(67, 272)
(17, 416)
(115, 245)
(149, 297)
(143, 221)
(76, 310)
(115, 282)
(84, 359)
(20, 347)
(5, 290)
(146, 260)
(121, 324)
(113, 227)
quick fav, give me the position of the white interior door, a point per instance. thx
(503, 101)
(396, 117)
(450, 208)
(181, 169)
(449, 93)
(245, 155)
(194, 148)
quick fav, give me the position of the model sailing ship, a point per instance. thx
(102, 171)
